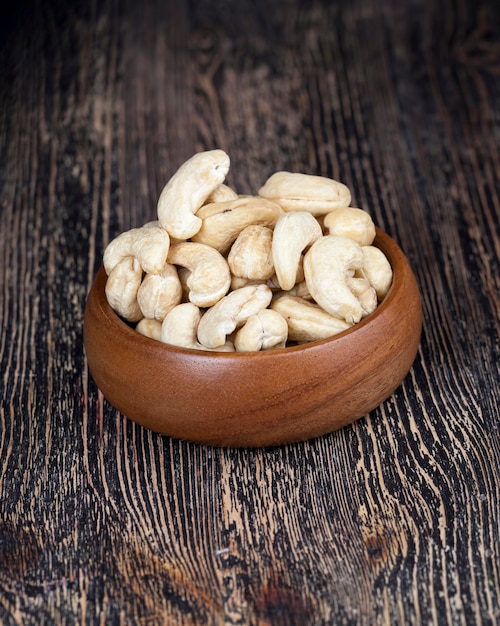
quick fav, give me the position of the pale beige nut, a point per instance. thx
(222, 193)
(159, 293)
(364, 292)
(328, 263)
(307, 321)
(293, 233)
(149, 328)
(188, 189)
(209, 279)
(251, 255)
(304, 192)
(231, 312)
(224, 221)
(149, 244)
(180, 326)
(266, 330)
(122, 286)
(378, 270)
(351, 222)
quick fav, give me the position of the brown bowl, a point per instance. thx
(263, 398)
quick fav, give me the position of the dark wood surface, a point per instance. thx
(394, 520)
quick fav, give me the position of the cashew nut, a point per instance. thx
(121, 288)
(210, 277)
(222, 193)
(251, 254)
(159, 293)
(180, 326)
(328, 263)
(188, 189)
(224, 221)
(351, 222)
(149, 244)
(364, 292)
(307, 321)
(378, 270)
(149, 328)
(304, 192)
(230, 312)
(265, 330)
(292, 234)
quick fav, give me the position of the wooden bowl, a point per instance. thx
(257, 399)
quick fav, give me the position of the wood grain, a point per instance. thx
(394, 520)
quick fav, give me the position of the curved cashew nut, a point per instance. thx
(188, 189)
(251, 253)
(210, 277)
(180, 325)
(149, 328)
(327, 265)
(364, 292)
(265, 330)
(149, 244)
(222, 193)
(224, 221)
(304, 192)
(231, 312)
(307, 321)
(122, 286)
(159, 293)
(292, 234)
(351, 222)
(377, 269)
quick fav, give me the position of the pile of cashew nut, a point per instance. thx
(226, 272)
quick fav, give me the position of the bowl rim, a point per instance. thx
(382, 240)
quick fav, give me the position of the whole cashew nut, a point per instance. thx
(230, 312)
(149, 244)
(122, 286)
(224, 221)
(159, 293)
(250, 255)
(307, 321)
(328, 263)
(180, 326)
(377, 269)
(188, 189)
(149, 328)
(304, 192)
(351, 222)
(209, 279)
(222, 193)
(265, 330)
(292, 234)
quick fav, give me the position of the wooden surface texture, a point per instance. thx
(393, 520)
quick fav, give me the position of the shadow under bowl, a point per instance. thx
(260, 398)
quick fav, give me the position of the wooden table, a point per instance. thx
(394, 520)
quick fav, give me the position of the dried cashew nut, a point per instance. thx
(149, 328)
(224, 221)
(250, 255)
(307, 321)
(230, 312)
(209, 279)
(265, 330)
(351, 222)
(328, 263)
(149, 244)
(159, 293)
(122, 286)
(180, 326)
(222, 193)
(364, 292)
(188, 189)
(293, 233)
(377, 269)
(304, 192)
